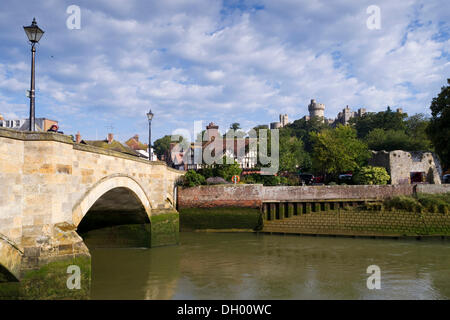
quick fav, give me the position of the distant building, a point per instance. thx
(346, 114)
(315, 110)
(110, 144)
(141, 148)
(42, 124)
(284, 121)
(236, 148)
(408, 167)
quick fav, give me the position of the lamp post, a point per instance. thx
(34, 34)
(150, 117)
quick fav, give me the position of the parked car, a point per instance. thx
(345, 178)
(306, 178)
(446, 178)
(318, 179)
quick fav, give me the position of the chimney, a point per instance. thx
(78, 137)
(136, 137)
(110, 138)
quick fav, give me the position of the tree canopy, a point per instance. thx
(338, 150)
(439, 127)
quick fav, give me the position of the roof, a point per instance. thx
(135, 144)
(114, 145)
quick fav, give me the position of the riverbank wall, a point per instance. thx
(314, 210)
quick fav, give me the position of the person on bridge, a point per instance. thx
(54, 128)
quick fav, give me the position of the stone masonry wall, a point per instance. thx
(252, 196)
(47, 180)
(373, 223)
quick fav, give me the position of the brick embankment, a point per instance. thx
(369, 223)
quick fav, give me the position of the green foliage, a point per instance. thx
(235, 126)
(162, 145)
(292, 155)
(416, 129)
(371, 175)
(423, 202)
(192, 179)
(403, 203)
(302, 128)
(435, 202)
(338, 150)
(227, 171)
(389, 140)
(267, 180)
(439, 127)
(385, 120)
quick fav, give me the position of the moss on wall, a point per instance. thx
(356, 222)
(50, 281)
(165, 226)
(220, 218)
(127, 235)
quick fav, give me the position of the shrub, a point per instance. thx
(192, 179)
(435, 202)
(332, 183)
(371, 175)
(403, 203)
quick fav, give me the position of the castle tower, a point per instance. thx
(316, 109)
(284, 119)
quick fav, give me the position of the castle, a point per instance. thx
(317, 110)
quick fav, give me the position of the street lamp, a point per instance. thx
(34, 34)
(150, 117)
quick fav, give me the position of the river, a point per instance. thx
(261, 266)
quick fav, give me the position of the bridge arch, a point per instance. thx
(104, 186)
(10, 260)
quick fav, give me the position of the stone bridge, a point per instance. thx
(52, 190)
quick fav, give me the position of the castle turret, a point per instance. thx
(316, 109)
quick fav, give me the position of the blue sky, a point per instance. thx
(221, 61)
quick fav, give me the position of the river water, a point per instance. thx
(261, 266)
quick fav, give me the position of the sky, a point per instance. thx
(218, 61)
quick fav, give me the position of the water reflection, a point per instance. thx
(248, 266)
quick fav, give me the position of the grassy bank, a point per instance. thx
(432, 203)
(220, 218)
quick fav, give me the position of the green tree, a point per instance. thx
(235, 126)
(302, 128)
(439, 127)
(385, 120)
(416, 129)
(338, 150)
(227, 171)
(371, 175)
(192, 179)
(380, 139)
(162, 145)
(292, 155)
